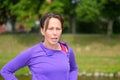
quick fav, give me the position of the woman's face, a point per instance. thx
(53, 32)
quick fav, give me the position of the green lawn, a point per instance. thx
(92, 52)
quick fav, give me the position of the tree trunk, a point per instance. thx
(110, 27)
(13, 22)
(74, 24)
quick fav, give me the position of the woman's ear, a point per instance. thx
(42, 31)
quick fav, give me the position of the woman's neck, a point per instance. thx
(53, 47)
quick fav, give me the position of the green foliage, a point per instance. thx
(88, 10)
(55, 6)
(26, 11)
(22, 9)
(110, 8)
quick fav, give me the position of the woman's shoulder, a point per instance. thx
(33, 49)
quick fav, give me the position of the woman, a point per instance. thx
(51, 59)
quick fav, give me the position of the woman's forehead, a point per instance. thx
(54, 21)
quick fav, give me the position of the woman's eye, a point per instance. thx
(54, 28)
(50, 28)
(58, 29)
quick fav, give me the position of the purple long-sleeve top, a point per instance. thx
(44, 64)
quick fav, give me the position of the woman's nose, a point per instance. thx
(55, 31)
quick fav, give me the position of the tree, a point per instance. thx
(54, 6)
(110, 12)
(5, 7)
(74, 4)
(3, 10)
(88, 11)
(27, 11)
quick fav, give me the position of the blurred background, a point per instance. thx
(91, 28)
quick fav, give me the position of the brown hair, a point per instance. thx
(44, 21)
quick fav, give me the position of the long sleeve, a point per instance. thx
(18, 62)
(73, 66)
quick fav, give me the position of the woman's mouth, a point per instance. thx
(54, 39)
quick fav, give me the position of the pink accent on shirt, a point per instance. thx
(63, 48)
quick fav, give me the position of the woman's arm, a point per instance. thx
(18, 62)
(73, 66)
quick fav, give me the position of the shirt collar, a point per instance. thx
(50, 52)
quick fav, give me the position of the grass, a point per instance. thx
(92, 52)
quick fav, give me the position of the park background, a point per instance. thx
(91, 28)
